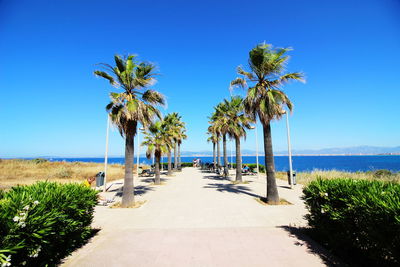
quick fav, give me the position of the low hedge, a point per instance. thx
(252, 166)
(183, 164)
(41, 223)
(358, 219)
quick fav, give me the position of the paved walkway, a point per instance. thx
(198, 219)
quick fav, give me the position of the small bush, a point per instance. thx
(39, 160)
(382, 173)
(183, 164)
(252, 166)
(43, 222)
(357, 219)
(64, 173)
(186, 164)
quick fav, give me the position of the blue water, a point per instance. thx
(300, 163)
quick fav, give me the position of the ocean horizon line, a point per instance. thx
(210, 155)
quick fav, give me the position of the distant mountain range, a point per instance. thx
(357, 150)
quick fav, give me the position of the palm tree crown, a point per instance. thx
(157, 139)
(135, 103)
(266, 75)
(234, 121)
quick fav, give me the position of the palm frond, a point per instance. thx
(241, 71)
(106, 76)
(240, 82)
(119, 62)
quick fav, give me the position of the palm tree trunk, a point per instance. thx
(226, 172)
(179, 156)
(175, 157)
(157, 156)
(128, 192)
(214, 156)
(272, 190)
(218, 155)
(238, 161)
(169, 163)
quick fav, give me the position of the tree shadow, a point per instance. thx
(207, 171)
(313, 247)
(216, 177)
(152, 180)
(138, 190)
(232, 188)
(284, 186)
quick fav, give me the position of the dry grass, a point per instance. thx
(306, 177)
(14, 171)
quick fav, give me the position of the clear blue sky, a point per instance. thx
(51, 103)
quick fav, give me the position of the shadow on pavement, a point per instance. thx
(284, 186)
(63, 253)
(152, 179)
(232, 188)
(216, 177)
(138, 190)
(312, 246)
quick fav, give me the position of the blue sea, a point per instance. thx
(300, 163)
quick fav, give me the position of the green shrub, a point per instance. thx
(43, 222)
(382, 173)
(357, 219)
(183, 164)
(186, 164)
(252, 166)
(40, 160)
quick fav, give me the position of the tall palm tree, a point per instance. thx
(180, 137)
(158, 141)
(235, 124)
(213, 139)
(134, 104)
(213, 128)
(170, 122)
(220, 120)
(265, 99)
(177, 127)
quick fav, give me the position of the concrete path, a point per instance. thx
(199, 219)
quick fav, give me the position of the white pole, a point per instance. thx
(289, 150)
(106, 154)
(138, 153)
(258, 168)
(231, 155)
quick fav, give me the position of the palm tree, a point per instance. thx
(170, 121)
(134, 104)
(220, 120)
(213, 139)
(213, 128)
(179, 139)
(235, 124)
(177, 130)
(177, 126)
(158, 141)
(265, 99)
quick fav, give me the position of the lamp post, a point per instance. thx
(289, 149)
(231, 155)
(138, 151)
(258, 168)
(106, 153)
